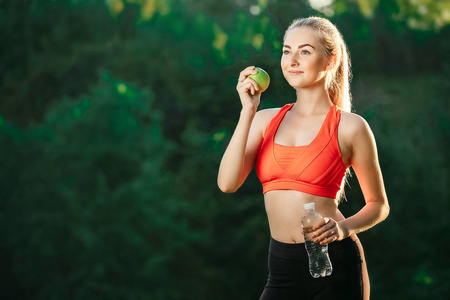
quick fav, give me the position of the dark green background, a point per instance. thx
(114, 116)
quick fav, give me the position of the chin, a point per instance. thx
(297, 85)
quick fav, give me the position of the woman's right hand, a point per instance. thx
(248, 89)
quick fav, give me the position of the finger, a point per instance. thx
(246, 72)
(254, 85)
(321, 223)
(327, 229)
(325, 237)
(252, 90)
(333, 237)
(248, 87)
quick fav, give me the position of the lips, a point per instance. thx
(294, 73)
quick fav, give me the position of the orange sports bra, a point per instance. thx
(315, 169)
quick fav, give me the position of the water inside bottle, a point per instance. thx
(307, 232)
(319, 261)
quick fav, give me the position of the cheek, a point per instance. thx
(313, 64)
(322, 63)
(283, 63)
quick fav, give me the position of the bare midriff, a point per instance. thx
(285, 211)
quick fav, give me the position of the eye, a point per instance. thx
(306, 52)
(286, 52)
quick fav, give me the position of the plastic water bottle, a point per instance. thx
(319, 261)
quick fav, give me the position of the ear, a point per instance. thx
(331, 62)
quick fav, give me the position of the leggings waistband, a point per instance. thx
(298, 251)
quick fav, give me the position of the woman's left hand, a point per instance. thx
(328, 230)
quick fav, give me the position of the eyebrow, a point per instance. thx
(301, 46)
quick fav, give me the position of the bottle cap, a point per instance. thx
(309, 206)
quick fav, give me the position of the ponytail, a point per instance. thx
(338, 80)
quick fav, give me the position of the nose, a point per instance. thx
(294, 60)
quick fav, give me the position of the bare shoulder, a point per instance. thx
(264, 116)
(268, 113)
(356, 139)
(353, 125)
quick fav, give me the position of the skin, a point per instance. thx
(305, 66)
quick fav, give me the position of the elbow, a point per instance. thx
(226, 188)
(228, 191)
(385, 209)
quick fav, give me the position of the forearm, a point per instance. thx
(370, 215)
(232, 167)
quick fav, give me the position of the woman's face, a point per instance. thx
(303, 62)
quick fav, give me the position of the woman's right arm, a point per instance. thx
(240, 155)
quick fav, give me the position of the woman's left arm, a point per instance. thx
(363, 157)
(364, 161)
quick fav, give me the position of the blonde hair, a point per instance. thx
(338, 79)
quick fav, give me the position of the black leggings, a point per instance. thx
(289, 276)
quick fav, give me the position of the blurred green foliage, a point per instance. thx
(114, 115)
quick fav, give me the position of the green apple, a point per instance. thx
(262, 79)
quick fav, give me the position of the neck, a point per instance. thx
(312, 100)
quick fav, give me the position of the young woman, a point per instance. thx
(301, 153)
